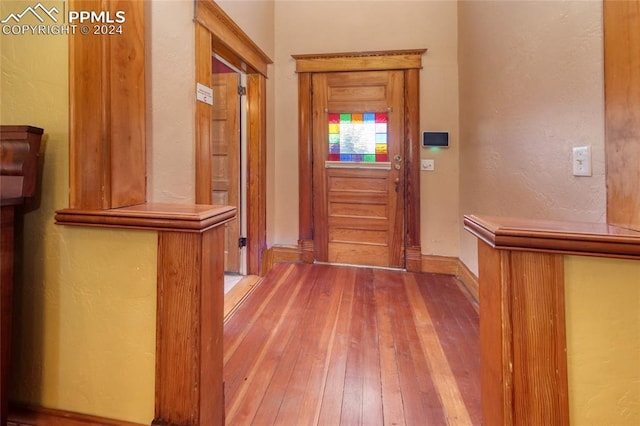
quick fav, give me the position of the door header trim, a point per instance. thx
(221, 26)
(359, 61)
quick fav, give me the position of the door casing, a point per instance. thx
(216, 33)
(410, 62)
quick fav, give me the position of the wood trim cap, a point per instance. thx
(579, 238)
(151, 216)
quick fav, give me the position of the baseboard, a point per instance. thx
(285, 254)
(469, 280)
(440, 265)
(413, 259)
(38, 416)
(279, 254)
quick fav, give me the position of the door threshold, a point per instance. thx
(388, 268)
(238, 293)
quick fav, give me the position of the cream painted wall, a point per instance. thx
(603, 340)
(531, 88)
(171, 95)
(171, 101)
(256, 18)
(343, 26)
(84, 323)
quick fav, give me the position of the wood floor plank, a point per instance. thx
(252, 308)
(371, 387)
(283, 356)
(456, 325)
(304, 388)
(422, 403)
(352, 402)
(247, 339)
(411, 401)
(455, 410)
(331, 405)
(244, 403)
(329, 345)
(393, 409)
(318, 378)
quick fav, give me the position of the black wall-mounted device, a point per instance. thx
(439, 139)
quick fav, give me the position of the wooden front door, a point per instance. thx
(358, 167)
(226, 159)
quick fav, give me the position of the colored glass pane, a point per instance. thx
(358, 137)
(382, 158)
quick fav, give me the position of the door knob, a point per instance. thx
(397, 158)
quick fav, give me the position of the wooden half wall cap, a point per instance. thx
(151, 216)
(577, 238)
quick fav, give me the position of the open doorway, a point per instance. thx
(217, 34)
(228, 148)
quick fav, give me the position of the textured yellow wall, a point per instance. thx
(603, 340)
(84, 324)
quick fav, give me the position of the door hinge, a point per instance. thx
(242, 242)
(242, 90)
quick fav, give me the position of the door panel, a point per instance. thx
(358, 208)
(226, 159)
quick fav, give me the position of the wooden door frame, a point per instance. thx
(410, 61)
(217, 33)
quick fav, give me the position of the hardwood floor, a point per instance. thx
(330, 345)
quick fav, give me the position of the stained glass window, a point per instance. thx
(358, 137)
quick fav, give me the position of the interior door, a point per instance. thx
(226, 159)
(358, 171)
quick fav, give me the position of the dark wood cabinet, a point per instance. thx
(19, 148)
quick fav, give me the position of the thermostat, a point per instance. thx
(440, 139)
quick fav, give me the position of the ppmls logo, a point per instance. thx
(16, 17)
(51, 21)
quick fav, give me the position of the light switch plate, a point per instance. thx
(582, 161)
